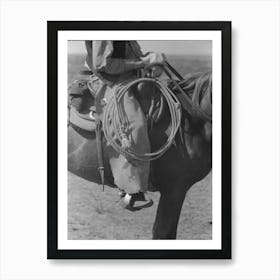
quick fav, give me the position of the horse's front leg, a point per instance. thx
(168, 212)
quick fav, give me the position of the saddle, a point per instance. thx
(81, 100)
(81, 107)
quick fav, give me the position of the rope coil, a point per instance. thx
(120, 124)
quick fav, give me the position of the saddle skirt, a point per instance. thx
(84, 121)
(81, 108)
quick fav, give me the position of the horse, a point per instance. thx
(186, 162)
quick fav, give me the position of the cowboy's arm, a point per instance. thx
(104, 62)
(119, 66)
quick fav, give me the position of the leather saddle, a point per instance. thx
(81, 109)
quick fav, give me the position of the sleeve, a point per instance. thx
(102, 61)
(136, 48)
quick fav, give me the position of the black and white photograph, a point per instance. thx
(119, 165)
(136, 151)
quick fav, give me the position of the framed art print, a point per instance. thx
(139, 140)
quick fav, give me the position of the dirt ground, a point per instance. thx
(94, 214)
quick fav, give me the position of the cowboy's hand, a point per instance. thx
(152, 59)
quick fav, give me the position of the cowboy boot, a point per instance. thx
(137, 201)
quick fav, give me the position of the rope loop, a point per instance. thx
(119, 123)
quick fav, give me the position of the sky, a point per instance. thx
(187, 47)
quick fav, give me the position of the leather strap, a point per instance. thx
(86, 72)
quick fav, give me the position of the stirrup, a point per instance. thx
(142, 202)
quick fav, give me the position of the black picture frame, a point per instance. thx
(52, 193)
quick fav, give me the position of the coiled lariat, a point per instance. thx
(115, 120)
